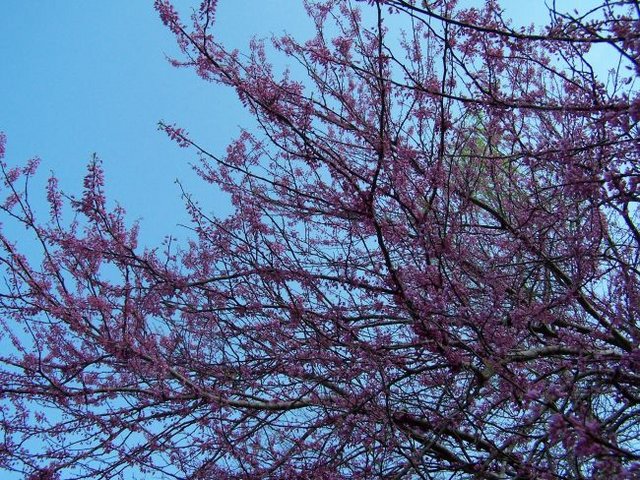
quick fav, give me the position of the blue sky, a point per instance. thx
(85, 76)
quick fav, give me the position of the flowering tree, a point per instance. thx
(432, 270)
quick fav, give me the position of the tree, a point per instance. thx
(432, 270)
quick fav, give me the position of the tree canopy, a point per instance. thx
(431, 271)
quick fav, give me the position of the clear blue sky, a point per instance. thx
(84, 76)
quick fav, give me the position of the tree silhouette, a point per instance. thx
(431, 272)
